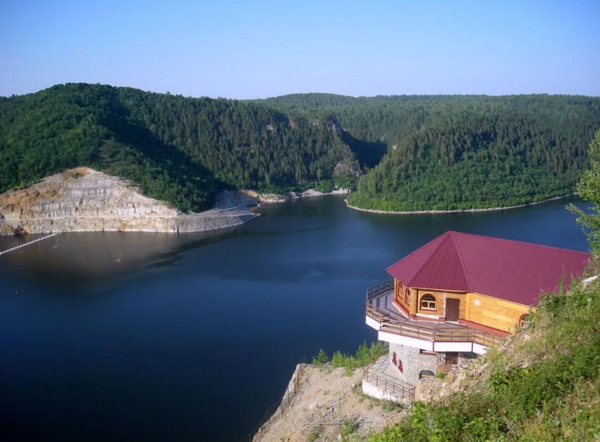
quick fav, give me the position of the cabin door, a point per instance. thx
(452, 309)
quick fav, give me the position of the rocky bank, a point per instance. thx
(274, 198)
(5, 229)
(322, 403)
(84, 200)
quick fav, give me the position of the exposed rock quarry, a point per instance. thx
(83, 199)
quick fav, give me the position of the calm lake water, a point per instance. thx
(194, 337)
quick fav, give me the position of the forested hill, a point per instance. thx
(176, 149)
(462, 152)
(423, 152)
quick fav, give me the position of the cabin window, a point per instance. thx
(406, 295)
(523, 319)
(428, 302)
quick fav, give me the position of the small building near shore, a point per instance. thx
(452, 298)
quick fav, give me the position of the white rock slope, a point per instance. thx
(83, 199)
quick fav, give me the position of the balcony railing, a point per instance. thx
(388, 386)
(380, 288)
(423, 332)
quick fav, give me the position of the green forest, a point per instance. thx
(179, 150)
(399, 152)
(461, 152)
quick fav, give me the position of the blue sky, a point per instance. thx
(257, 49)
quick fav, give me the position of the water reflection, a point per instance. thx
(75, 260)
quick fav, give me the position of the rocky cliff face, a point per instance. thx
(83, 199)
(323, 403)
(5, 229)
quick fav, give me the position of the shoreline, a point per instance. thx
(188, 223)
(232, 209)
(277, 198)
(229, 211)
(439, 212)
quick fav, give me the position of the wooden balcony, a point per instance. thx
(379, 307)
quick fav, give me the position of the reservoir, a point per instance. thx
(195, 336)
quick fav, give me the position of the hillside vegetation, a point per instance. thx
(421, 152)
(461, 152)
(177, 149)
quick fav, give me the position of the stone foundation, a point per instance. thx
(410, 362)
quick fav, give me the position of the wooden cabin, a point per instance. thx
(483, 282)
(455, 296)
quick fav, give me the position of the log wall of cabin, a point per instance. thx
(399, 296)
(397, 290)
(494, 312)
(412, 301)
(440, 303)
(473, 307)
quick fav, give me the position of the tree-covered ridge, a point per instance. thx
(244, 144)
(475, 160)
(176, 149)
(81, 125)
(463, 152)
(310, 101)
(423, 152)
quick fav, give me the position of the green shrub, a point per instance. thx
(321, 358)
(347, 428)
(349, 365)
(325, 186)
(337, 360)
(366, 355)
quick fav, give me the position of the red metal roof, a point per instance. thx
(511, 270)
